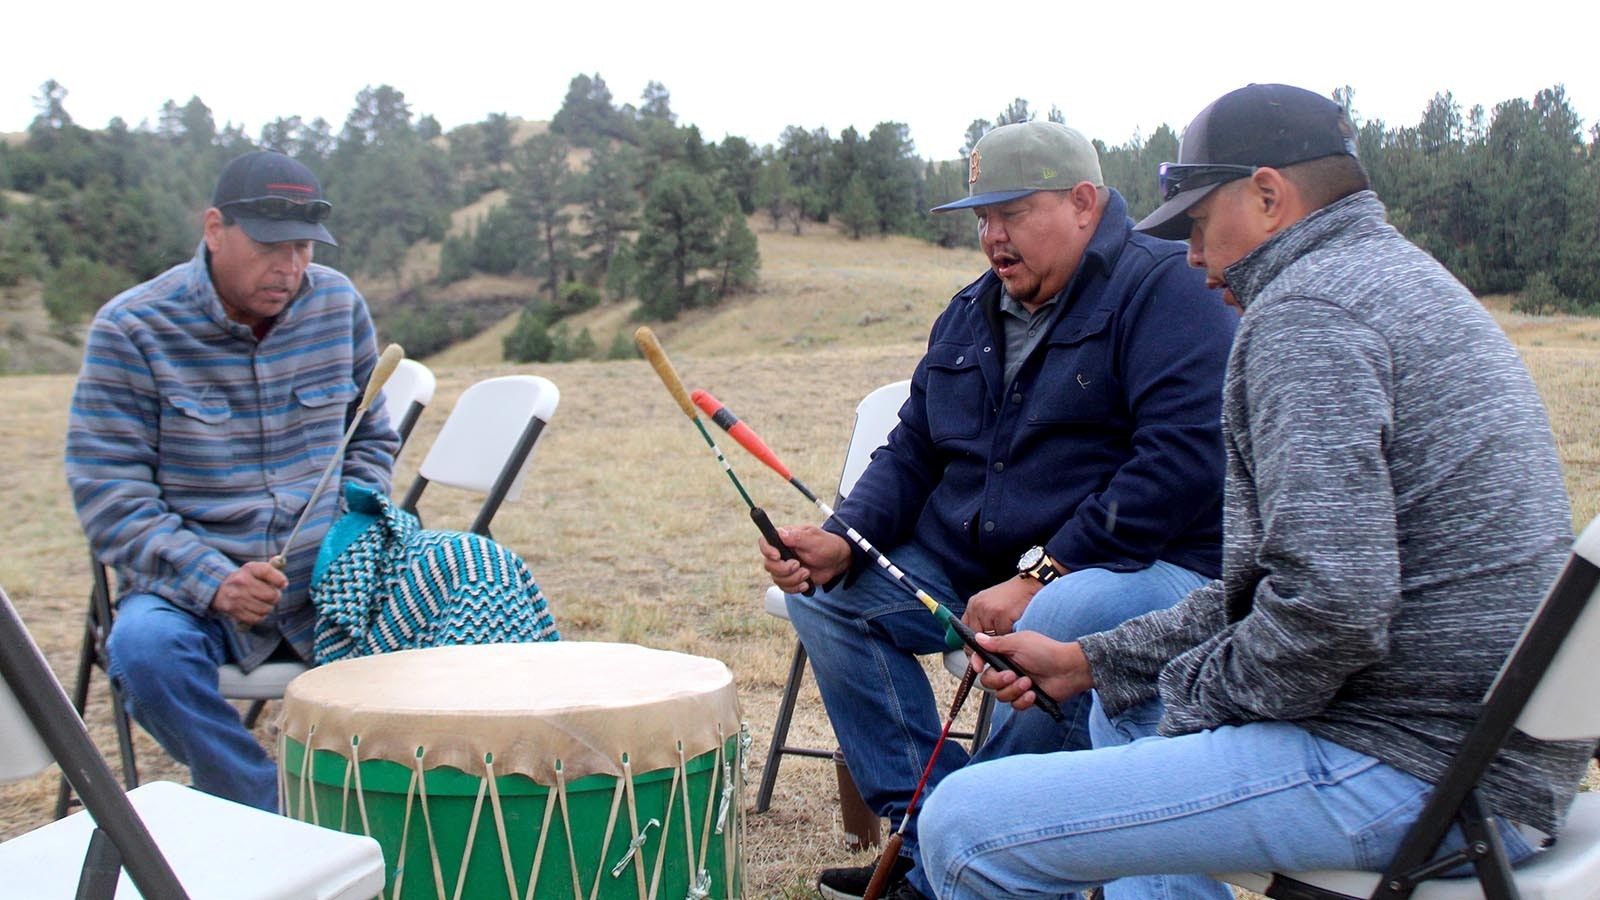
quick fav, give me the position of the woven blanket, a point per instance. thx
(383, 582)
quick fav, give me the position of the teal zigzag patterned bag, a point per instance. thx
(382, 582)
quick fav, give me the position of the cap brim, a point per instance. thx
(274, 231)
(1171, 219)
(988, 199)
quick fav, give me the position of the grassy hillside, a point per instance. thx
(631, 527)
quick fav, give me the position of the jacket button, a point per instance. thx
(1016, 398)
(988, 526)
(960, 360)
(999, 467)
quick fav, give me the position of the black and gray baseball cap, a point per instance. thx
(1016, 160)
(1257, 126)
(273, 198)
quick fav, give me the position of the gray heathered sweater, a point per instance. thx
(1394, 511)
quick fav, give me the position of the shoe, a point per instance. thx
(850, 882)
(904, 890)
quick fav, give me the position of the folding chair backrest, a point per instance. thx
(406, 393)
(22, 752)
(487, 440)
(876, 416)
(49, 718)
(1562, 707)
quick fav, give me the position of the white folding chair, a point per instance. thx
(162, 841)
(486, 442)
(407, 392)
(876, 416)
(1545, 690)
(265, 682)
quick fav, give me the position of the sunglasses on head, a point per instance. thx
(282, 208)
(1175, 178)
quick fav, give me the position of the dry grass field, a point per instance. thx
(633, 530)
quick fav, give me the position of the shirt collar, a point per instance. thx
(1248, 277)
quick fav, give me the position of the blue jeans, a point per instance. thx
(864, 640)
(1266, 796)
(165, 660)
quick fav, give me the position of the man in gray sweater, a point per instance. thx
(1394, 510)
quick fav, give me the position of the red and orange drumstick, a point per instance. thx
(891, 847)
(657, 357)
(759, 449)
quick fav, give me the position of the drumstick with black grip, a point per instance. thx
(759, 449)
(651, 348)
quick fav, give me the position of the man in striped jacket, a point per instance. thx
(210, 401)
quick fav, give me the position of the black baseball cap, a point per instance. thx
(273, 198)
(1257, 126)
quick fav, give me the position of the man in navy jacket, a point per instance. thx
(1057, 468)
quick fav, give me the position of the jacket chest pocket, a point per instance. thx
(956, 393)
(1077, 384)
(197, 441)
(319, 420)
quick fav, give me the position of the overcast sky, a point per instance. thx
(752, 68)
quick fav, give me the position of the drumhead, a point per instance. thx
(584, 704)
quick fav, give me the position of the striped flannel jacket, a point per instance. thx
(193, 447)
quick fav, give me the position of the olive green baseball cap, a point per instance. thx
(1016, 160)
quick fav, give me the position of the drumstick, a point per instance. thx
(758, 448)
(387, 361)
(891, 847)
(651, 348)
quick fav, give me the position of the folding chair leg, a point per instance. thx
(253, 714)
(1492, 867)
(80, 702)
(980, 730)
(119, 717)
(87, 659)
(780, 728)
(102, 868)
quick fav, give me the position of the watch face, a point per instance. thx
(1030, 558)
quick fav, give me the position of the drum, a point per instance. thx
(562, 769)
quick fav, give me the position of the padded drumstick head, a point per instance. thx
(651, 348)
(387, 361)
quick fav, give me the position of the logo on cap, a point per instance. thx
(973, 171)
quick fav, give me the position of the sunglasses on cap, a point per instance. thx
(282, 209)
(1175, 178)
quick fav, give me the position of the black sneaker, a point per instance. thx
(850, 882)
(904, 890)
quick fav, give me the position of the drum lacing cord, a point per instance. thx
(730, 855)
(611, 826)
(639, 834)
(700, 880)
(418, 788)
(283, 779)
(679, 774)
(544, 834)
(484, 785)
(705, 830)
(499, 826)
(566, 821)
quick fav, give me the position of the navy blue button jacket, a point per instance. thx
(1107, 447)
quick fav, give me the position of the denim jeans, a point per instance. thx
(864, 639)
(1266, 796)
(165, 660)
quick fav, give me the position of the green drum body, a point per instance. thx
(572, 769)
